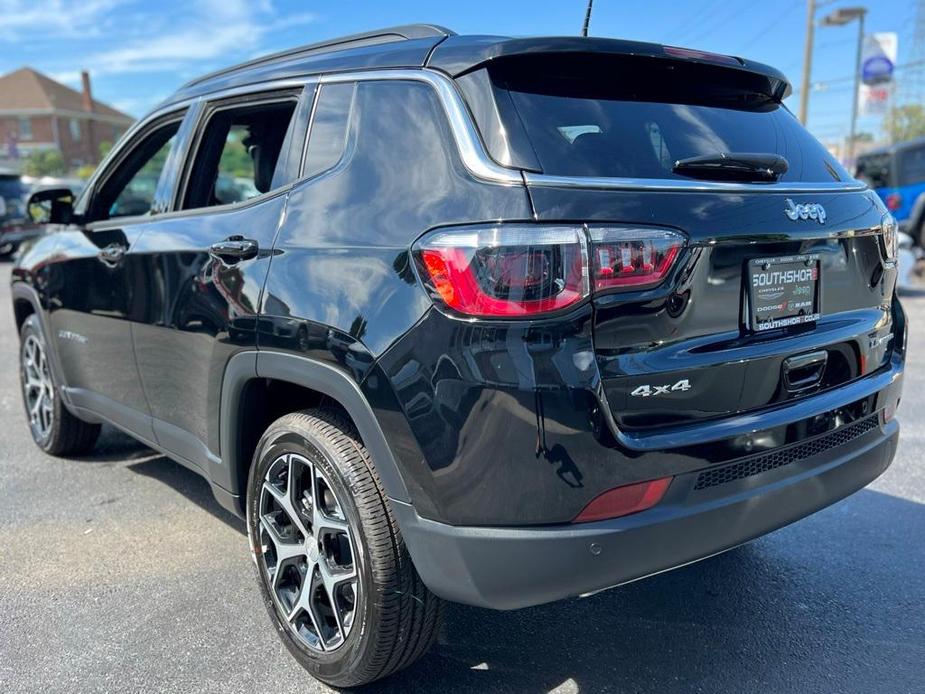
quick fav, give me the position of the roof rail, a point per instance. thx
(399, 33)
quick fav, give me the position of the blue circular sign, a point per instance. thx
(877, 69)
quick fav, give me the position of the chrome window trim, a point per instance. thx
(472, 151)
(658, 184)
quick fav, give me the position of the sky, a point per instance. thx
(139, 51)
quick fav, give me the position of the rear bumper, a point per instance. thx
(509, 568)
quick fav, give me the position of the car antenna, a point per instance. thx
(584, 29)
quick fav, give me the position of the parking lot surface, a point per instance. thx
(120, 573)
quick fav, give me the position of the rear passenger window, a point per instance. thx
(328, 137)
(238, 153)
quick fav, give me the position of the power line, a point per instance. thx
(765, 29)
(703, 34)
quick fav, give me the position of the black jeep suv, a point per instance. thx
(496, 321)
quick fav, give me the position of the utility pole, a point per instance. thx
(807, 59)
(857, 86)
(584, 29)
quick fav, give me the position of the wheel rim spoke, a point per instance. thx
(303, 520)
(37, 387)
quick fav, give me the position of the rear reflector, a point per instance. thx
(894, 201)
(625, 500)
(523, 270)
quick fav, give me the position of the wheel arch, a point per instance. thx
(247, 370)
(26, 302)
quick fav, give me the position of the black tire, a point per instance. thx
(394, 618)
(64, 434)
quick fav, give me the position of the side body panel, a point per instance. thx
(198, 311)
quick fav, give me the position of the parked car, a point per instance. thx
(14, 225)
(502, 321)
(897, 174)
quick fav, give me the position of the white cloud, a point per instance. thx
(204, 30)
(22, 20)
(213, 29)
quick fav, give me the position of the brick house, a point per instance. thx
(37, 112)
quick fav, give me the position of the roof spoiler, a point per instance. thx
(459, 55)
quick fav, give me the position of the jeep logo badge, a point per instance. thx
(810, 210)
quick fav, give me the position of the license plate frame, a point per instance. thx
(783, 291)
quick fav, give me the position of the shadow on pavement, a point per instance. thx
(832, 603)
(115, 447)
(814, 607)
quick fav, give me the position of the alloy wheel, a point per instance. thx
(37, 387)
(307, 552)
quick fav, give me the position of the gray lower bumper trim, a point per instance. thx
(509, 568)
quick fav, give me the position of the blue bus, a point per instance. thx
(897, 173)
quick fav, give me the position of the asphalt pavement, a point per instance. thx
(120, 573)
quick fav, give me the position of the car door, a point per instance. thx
(93, 287)
(207, 260)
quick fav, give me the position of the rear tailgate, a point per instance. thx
(694, 329)
(604, 133)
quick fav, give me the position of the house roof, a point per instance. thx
(28, 89)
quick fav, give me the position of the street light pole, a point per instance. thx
(857, 88)
(807, 59)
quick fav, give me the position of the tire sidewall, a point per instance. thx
(342, 664)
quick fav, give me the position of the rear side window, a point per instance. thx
(874, 169)
(237, 156)
(598, 116)
(328, 137)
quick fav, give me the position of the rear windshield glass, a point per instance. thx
(605, 118)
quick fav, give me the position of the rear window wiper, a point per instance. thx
(733, 166)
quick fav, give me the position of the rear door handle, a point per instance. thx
(234, 248)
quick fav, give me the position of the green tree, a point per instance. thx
(905, 122)
(44, 162)
(105, 147)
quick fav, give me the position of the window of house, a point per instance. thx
(328, 137)
(25, 128)
(237, 156)
(130, 189)
(74, 125)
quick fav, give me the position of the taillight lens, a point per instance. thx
(626, 258)
(516, 270)
(889, 229)
(894, 201)
(505, 270)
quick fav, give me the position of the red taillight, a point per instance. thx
(894, 201)
(625, 500)
(508, 271)
(706, 56)
(632, 258)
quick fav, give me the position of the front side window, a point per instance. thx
(238, 153)
(130, 190)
